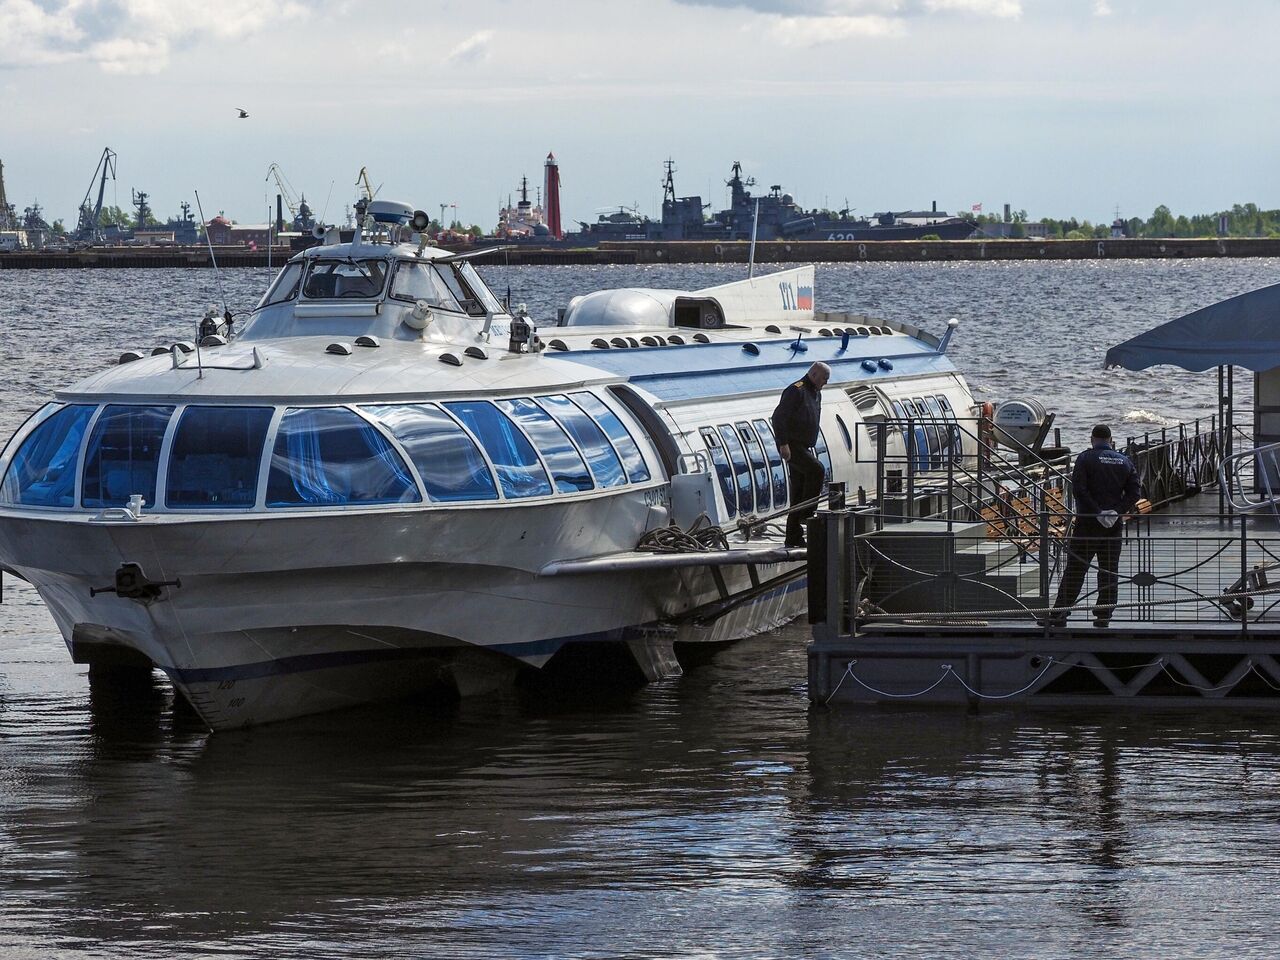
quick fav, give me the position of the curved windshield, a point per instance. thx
(123, 455)
(468, 289)
(519, 470)
(447, 459)
(328, 455)
(342, 279)
(285, 286)
(421, 281)
(43, 473)
(215, 456)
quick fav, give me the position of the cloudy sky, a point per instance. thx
(1061, 107)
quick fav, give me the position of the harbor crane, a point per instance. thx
(299, 212)
(89, 227)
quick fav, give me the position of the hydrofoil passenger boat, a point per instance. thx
(385, 478)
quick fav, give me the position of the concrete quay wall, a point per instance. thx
(902, 251)
(697, 251)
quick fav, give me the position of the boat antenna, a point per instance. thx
(213, 258)
(325, 209)
(751, 257)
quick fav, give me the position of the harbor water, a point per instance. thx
(717, 815)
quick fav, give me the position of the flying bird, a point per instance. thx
(243, 113)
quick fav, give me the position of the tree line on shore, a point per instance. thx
(1242, 220)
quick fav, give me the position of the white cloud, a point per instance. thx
(474, 49)
(813, 31)
(127, 36)
(1101, 8)
(1002, 9)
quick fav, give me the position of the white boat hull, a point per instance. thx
(277, 617)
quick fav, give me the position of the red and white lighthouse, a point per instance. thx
(551, 198)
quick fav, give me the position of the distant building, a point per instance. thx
(152, 237)
(219, 231)
(1005, 231)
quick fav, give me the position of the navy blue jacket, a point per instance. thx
(795, 421)
(1104, 479)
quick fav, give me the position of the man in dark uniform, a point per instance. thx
(1105, 486)
(795, 425)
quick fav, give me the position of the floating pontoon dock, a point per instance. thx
(940, 590)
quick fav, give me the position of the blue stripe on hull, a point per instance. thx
(350, 658)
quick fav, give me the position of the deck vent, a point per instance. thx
(213, 340)
(751, 348)
(652, 341)
(476, 353)
(773, 328)
(869, 366)
(186, 346)
(558, 345)
(676, 339)
(824, 332)
(340, 349)
(702, 338)
(364, 340)
(885, 331)
(885, 364)
(633, 341)
(450, 358)
(619, 342)
(131, 355)
(600, 343)
(863, 332)
(158, 351)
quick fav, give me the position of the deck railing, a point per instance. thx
(1174, 567)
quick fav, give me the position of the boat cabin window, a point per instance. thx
(285, 287)
(605, 464)
(214, 459)
(741, 469)
(468, 289)
(623, 442)
(123, 455)
(725, 472)
(422, 281)
(341, 279)
(568, 469)
(824, 456)
(777, 471)
(759, 469)
(477, 286)
(328, 456)
(43, 472)
(520, 473)
(449, 462)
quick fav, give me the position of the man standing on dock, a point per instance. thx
(795, 425)
(1105, 486)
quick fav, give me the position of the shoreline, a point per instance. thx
(697, 251)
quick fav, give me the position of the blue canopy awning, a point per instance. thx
(1243, 332)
